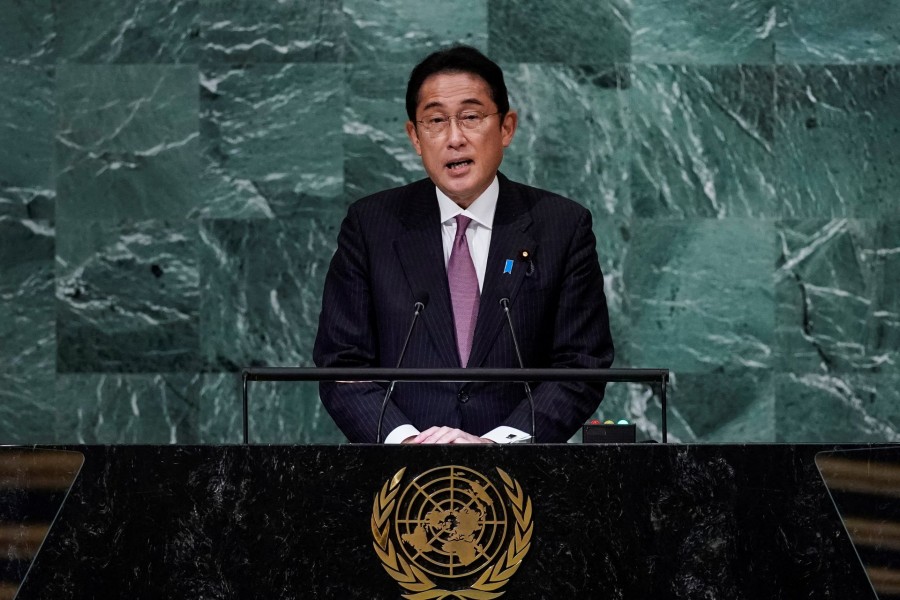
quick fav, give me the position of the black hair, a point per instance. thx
(457, 59)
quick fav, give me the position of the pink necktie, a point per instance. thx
(464, 291)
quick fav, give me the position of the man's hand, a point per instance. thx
(445, 435)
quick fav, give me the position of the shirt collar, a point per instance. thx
(481, 210)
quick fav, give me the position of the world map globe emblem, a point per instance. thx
(451, 522)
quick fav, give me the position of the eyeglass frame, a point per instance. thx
(458, 122)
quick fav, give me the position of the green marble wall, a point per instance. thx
(173, 174)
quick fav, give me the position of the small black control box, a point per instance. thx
(608, 434)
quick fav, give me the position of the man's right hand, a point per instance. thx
(445, 435)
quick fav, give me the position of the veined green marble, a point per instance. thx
(26, 32)
(406, 30)
(99, 408)
(572, 136)
(28, 406)
(703, 141)
(26, 288)
(136, 31)
(702, 32)
(822, 407)
(26, 142)
(27, 247)
(699, 296)
(27, 330)
(702, 408)
(262, 283)
(271, 137)
(378, 153)
(242, 31)
(569, 32)
(723, 407)
(127, 141)
(853, 31)
(280, 413)
(838, 296)
(127, 297)
(221, 411)
(838, 141)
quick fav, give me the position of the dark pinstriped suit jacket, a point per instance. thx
(390, 254)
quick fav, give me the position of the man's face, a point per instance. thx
(461, 162)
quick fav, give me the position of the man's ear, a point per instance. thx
(508, 127)
(413, 136)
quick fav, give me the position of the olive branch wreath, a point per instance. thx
(413, 579)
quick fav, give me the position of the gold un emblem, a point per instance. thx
(451, 525)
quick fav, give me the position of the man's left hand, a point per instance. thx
(447, 435)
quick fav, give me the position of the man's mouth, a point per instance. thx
(459, 164)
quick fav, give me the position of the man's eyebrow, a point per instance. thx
(439, 104)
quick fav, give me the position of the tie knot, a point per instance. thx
(462, 223)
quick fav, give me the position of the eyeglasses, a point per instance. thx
(470, 120)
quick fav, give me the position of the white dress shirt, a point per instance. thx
(478, 237)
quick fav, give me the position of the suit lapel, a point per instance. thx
(508, 238)
(421, 254)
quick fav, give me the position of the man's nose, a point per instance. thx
(455, 134)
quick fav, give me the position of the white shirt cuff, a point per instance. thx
(506, 435)
(401, 433)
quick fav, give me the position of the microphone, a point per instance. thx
(418, 307)
(504, 302)
(525, 256)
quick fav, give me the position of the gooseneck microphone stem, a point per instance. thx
(418, 307)
(504, 302)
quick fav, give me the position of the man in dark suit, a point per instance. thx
(460, 242)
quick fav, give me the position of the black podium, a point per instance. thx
(528, 521)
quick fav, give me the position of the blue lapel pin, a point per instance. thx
(507, 268)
